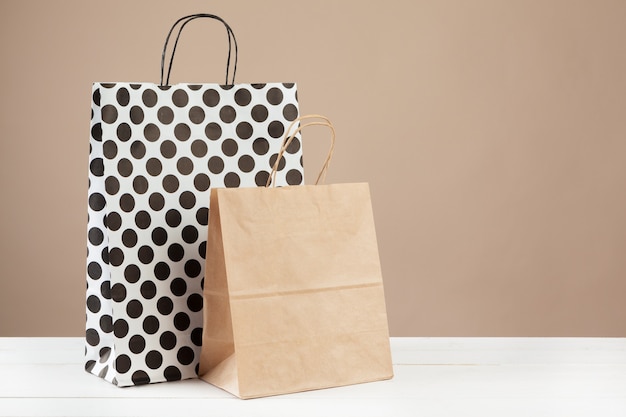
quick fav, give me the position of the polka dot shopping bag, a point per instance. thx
(156, 150)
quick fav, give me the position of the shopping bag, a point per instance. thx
(156, 150)
(293, 291)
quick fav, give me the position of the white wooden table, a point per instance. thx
(433, 377)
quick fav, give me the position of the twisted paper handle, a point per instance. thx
(185, 20)
(289, 138)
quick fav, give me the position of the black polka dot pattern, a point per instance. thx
(154, 155)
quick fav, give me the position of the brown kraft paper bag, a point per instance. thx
(293, 292)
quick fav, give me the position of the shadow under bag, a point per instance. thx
(293, 292)
(156, 151)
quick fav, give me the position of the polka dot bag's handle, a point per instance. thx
(289, 138)
(185, 20)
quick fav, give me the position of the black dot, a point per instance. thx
(181, 321)
(198, 148)
(193, 268)
(105, 290)
(96, 97)
(123, 132)
(165, 115)
(196, 115)
(175, 252)
(202, 216)
(168, 149)
(148, 290)
(274, 96)
(96, 167)
(149, 98)
(276, 129)
(109, 149)
(137, 344)
(125, 167)
(172, 373)
(196, 336)
(118, 292)
(156, 201)
(106, 323)
(159, 236)
(259, 113)
(93, 303)
(132, 273)
(182, 132)
(173, 218)
(151, 325)
(109, 114)
(151, 132)
(116, 256)
(184, 166)
(246, 163)
(142, 219)
(170, 183)
(202, 182)
(96, 132)
(243, 97)
(290, 112)
(294, 177)
(127, 202)
(211, 97)
(180, 98)
(178, 286)
(261, 177)
(111, 185)
(113, 221)
(165, 305)
(185, 355)
(161, 271)
(187, 200)
(129, 238)
(137, 149)
(134, 309)
(216, 164)
(140, 378)
(194, 302)
(260, 146)
(140, 184)
(104, 354)
(122, 364)
(230, 147)
(145, 254)
(97, 201)
(190, 234)
(95, 236)
(281, 163)
(294, 146)
(213, 131)
(167, 340)
(154, 166)
(120, 328)
(244, 130)
(136, 115)
(228, 114)
(232, 180)
(94, 270)
(202, 249)
(105, 257)
(154, 359)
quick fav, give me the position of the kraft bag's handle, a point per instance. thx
(289, 138)
(186, 19)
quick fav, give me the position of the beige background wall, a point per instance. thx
(493, 134)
